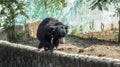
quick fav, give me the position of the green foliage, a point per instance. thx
(112, 26)
(103, 4)
(43, 8)
(74, 30)
(91, 26)
(100, 4)
(81, 29)
(56, 4)
(117, 12)
(10, 9)
(102, 27)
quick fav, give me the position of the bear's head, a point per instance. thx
(59, 31)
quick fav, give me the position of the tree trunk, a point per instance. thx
(119, 32)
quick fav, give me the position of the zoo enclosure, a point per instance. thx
(32, 26)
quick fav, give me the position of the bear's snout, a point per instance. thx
(63, 33)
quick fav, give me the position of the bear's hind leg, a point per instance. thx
(40, 46)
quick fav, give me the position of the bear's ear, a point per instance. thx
(66, 27)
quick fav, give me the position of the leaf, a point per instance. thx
(104, 6)
(117, 12)
(96, 3)
(0, 25)
(24, 14)
(111, 0)
(10, 16)
(93, 6)
(93, 2)
(106, 1)
(99, 6)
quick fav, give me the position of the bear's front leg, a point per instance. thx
(40, 46)
(48, 44)
(55, 42)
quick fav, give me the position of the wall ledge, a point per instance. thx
(91, 60)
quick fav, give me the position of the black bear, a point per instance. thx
(49, 32)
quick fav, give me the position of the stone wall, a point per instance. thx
(3, 34)
(17, 55)
(21, 30)
(32, 27)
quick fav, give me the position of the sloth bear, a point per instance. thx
(49, 33)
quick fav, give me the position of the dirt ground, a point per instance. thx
(85, 46)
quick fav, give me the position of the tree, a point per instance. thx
(11, 9)
(42, 8)
(104, 4)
